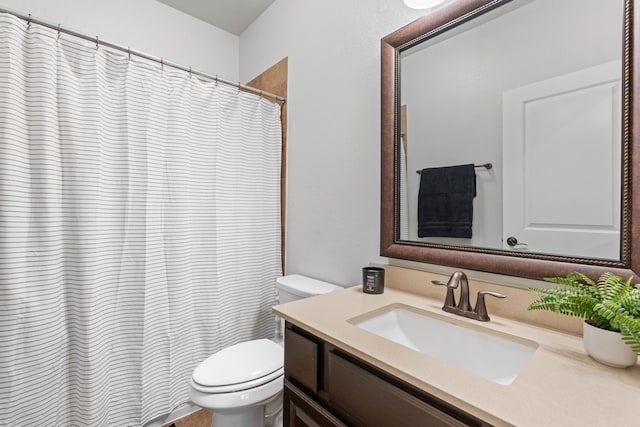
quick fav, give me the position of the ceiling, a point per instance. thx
(233, 16)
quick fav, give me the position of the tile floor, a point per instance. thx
(201, 418)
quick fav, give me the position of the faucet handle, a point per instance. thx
(481, 306)
(450, 300)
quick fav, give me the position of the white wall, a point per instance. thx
(147, 26)
(333, 201)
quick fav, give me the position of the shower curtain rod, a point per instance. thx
(130, 52)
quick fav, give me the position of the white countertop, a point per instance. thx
(560, 385)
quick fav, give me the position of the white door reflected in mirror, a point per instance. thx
(561, 164)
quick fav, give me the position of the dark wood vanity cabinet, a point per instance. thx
(326, 386)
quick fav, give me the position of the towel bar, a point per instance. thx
(487, 166)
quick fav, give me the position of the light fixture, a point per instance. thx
(422, 4)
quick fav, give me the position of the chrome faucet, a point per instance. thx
(463, 308)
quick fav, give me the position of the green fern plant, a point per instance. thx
(609, 303)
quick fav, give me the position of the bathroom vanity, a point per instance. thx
(325, 384)
(338, 374)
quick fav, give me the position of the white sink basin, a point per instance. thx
(491, 355)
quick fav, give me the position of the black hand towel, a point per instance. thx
(445, 201)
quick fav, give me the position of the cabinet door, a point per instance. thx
(301, 411)
(301, 359)
(364, 399)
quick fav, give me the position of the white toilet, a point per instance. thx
(243, 384)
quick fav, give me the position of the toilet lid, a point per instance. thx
(304, 286)
(240, 363)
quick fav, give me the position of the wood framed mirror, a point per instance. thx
(452, 22)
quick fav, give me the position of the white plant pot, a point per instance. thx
(607, 347)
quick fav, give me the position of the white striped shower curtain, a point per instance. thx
(139, 229)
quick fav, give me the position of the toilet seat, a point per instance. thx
(240, 367)
(238, 386)
(242, 400)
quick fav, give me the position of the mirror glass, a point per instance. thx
(528, 97)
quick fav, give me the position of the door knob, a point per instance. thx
(512, 241)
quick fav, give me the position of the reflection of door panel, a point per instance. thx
(552, 202)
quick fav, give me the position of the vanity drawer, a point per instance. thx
(302, 411)
(365, 399)
(301, 359)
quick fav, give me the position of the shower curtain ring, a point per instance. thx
(29, 21)
(190, 75)
(97, 42)
(216, 80)
(129, 53)
(58, 37)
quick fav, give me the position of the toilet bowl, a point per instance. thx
(238, 381)
(242, 384)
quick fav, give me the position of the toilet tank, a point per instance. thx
(295, 286)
